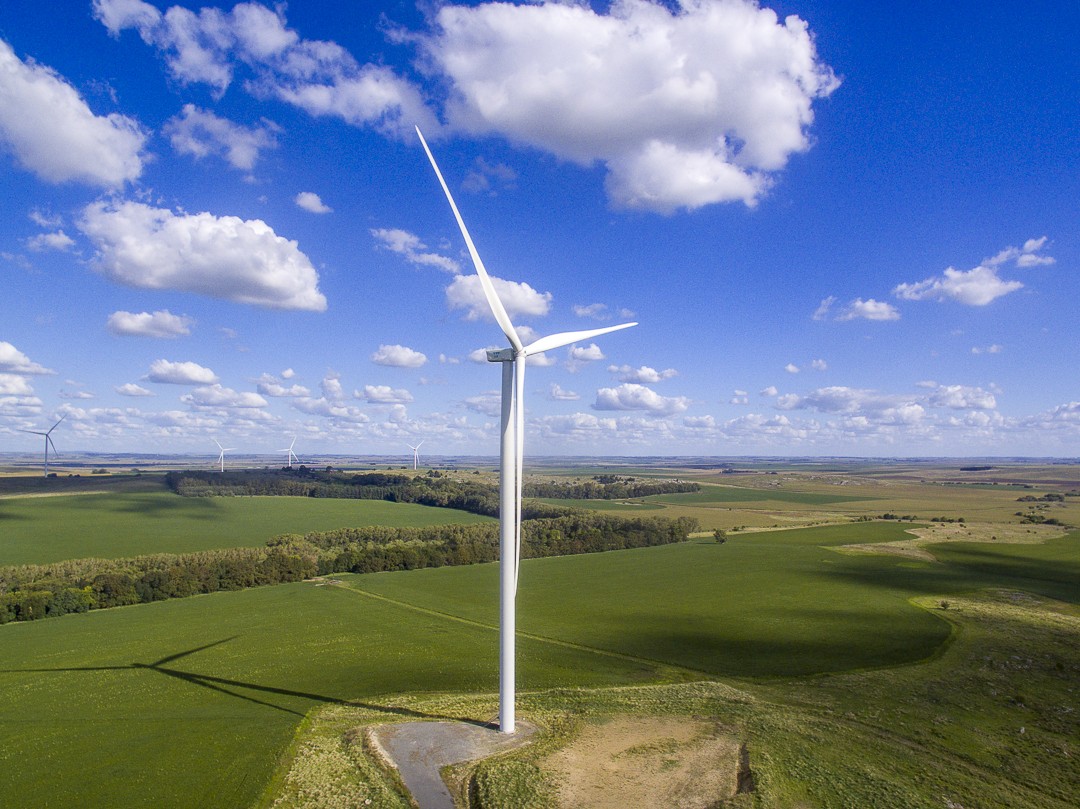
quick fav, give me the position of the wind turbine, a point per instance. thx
(511, 452)
(48, 441)
(221, 457)
(415, 454)
(292, 455)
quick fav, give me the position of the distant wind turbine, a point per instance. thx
(415, 454)
(512, 448)
(221, 456)
(48, 441)
(292, 455)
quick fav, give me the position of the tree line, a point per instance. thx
(30, 592)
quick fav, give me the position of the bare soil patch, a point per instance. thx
(993, 533)
(647, 761)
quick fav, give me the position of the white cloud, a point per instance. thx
(518, 298)
(131, 389)
(267, 385)
(223, 257)
(317, 76)
(200, 133)
(413, 249)
(14, 385)
(769, 391)
(218, 396)
(57, 240)
(819, 365)
(638, 397)
(791, 368)
(740, 398)
(869, 309)
(980, 285)
(962, 397)
(384, 394)
(144, 324)
(686, 107)
(557, 394)
(589, 353)
(990, 349)
(13, 361)
(486, 404)
(597, 311)
(288, 373)
(644, 374)
(975, 287)
(484, 176)
(51, 131)
(180, 373)
(398, 356)
(310, 202)
(822, 312)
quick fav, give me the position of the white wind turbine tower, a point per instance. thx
(221, 456)
(415, 454)
(511, 451)
(48, 441)
(292, 455)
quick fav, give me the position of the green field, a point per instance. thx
(192, 702)
(37, 530)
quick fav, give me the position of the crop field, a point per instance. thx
(37, 530)
(919, 676)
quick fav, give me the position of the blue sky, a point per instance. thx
(845, 229)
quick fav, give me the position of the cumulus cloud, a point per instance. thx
(384, 394)
(975, 287)
(269, 385)
(131, 389)
(413, 249)
(686, 107)
(13, 361)
(980, 285)
(791, 368)
(869, 309)
(218, 396)
(769, 391)
(162, 323)
(319, 77)
(200, 133)
(57, 240)
(630, 396)
(180, 373)
(822, 312)
(589, 353)
(398, 356)
(486, 404)
(518, 298)
(597, 311)
(14, 385)
(962, 397)
(990, 349)
(644, 374)
(557, 394)
(52, 132)
(310, 202)
(223, 257)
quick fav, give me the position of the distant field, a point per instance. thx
(35, 530)
(733, 494)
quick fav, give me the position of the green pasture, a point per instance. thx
(37, 530)
(725, 495)
(192, 702)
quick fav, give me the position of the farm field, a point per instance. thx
(852, 657)
(37, 530)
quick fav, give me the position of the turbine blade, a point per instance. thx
(219, 445)
(58, 423)
(497, 308)
(48, 438)
(567, 337)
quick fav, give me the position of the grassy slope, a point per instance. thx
(48, 529)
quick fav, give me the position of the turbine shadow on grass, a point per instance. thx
(223, 685)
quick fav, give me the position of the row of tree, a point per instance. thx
(30, 592)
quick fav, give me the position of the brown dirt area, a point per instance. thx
(997, 533)
(674, 762)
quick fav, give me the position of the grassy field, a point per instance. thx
(192, 702)
(35, 530)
